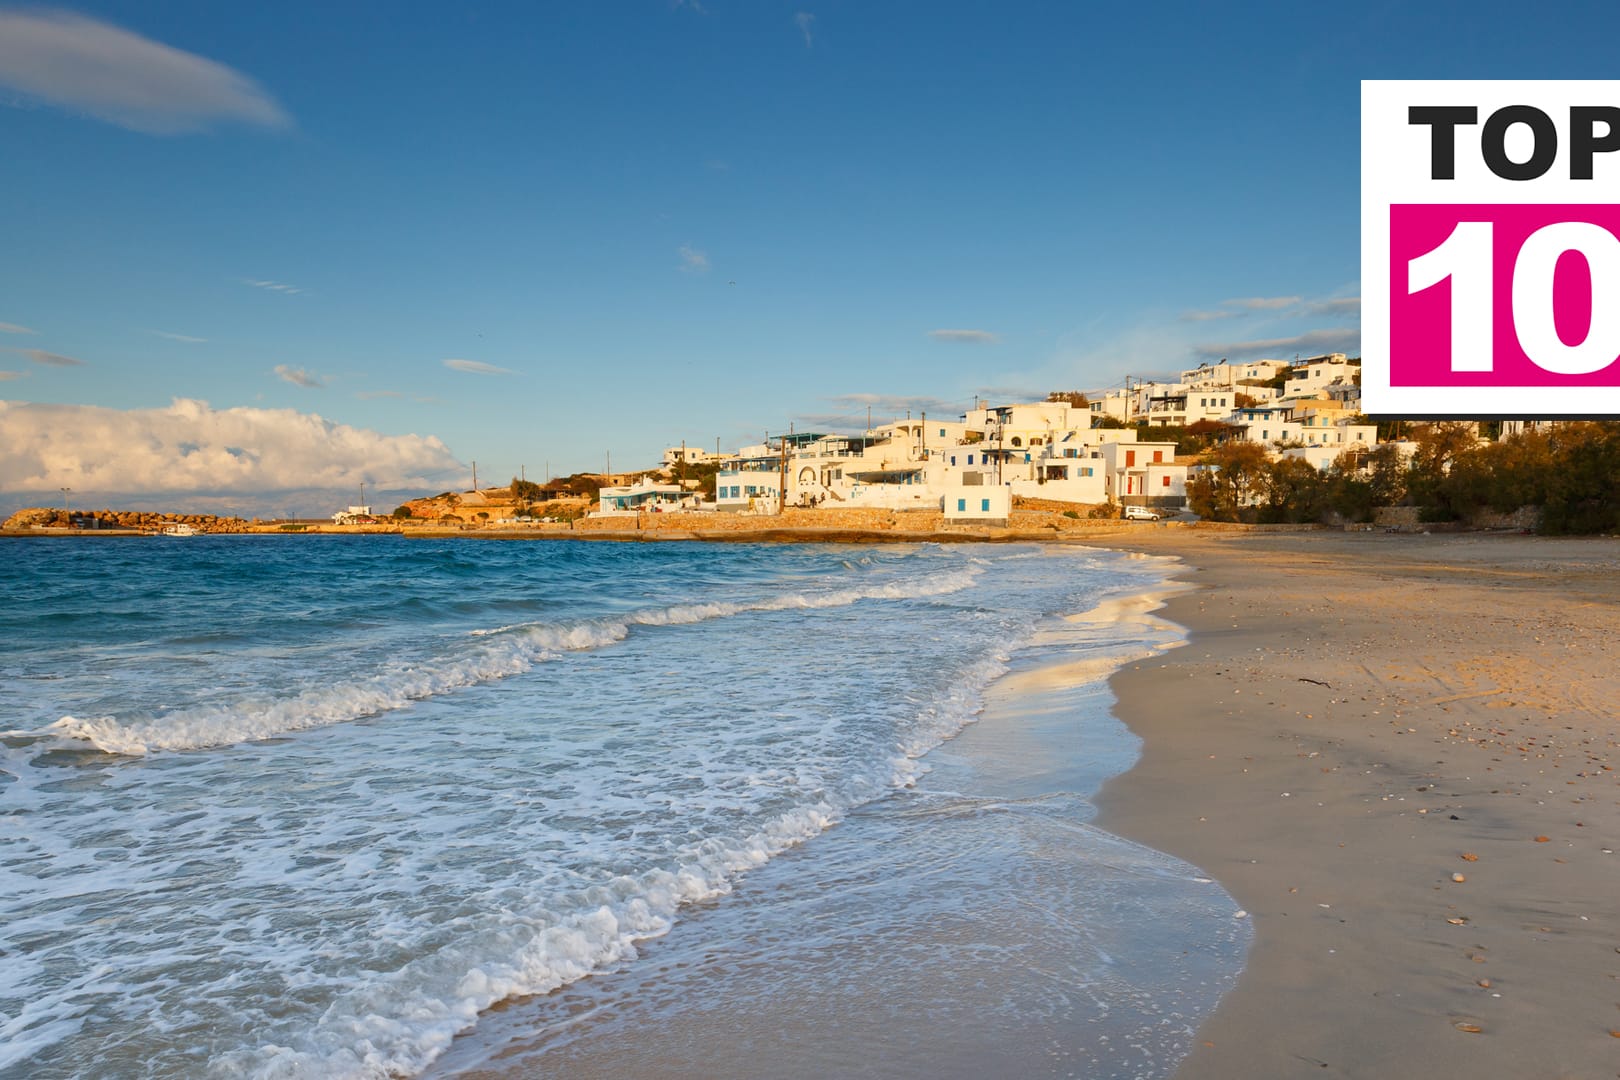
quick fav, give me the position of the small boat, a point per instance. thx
(179, 529)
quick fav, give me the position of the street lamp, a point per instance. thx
(65, 508)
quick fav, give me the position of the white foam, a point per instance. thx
(514, 651)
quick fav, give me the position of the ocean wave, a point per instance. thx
(509, 954)
(508, 651)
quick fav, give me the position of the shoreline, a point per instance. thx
(1004, 816)
(1353, 716)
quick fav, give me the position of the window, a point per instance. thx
(1085, 470)
(1158, 455)
(1016, 441)
(984, 505)
(970, 459)
(1130, 458)
(942, 433)
(953, 459)
(1165, 482)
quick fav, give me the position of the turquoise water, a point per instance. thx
(312, 806)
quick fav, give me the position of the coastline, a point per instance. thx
(969, 925)
(1354, 716)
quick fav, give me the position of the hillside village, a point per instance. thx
(1151, 449)
(1096, 451)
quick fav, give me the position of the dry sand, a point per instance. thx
(1398, 754)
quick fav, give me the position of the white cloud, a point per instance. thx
(50, 359)
(192, 448)
(93, 67)
(965, 337)
(693, 261)
(806, 23)
(477, 367)
(13, 328)
(7, 376)
(187, 338)
(850, 410)
(298, 377)
(1313, 341)
(1261, 303)
(1208, 316)
(1345, 305)
(273, 286)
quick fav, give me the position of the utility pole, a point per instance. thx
(682, 473)
(475, 474)
(781, 486)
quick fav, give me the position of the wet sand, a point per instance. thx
(1398, 753)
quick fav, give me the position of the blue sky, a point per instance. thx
(378, 242)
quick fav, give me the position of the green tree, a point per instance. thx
(1228, 489)
(1584, 490)
(525, 490)
(401, 512)
(1386, 474)
(1294, 490)
(1439, 446)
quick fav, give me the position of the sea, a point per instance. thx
(387, 807)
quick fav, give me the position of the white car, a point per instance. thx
(1141, 513)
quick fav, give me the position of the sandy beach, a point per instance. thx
(1397, 753)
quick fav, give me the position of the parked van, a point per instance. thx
(1141, 513)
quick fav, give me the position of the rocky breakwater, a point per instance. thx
(42, 517)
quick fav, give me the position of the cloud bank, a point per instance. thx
(190, 448)
(13, 328)
(101, 70)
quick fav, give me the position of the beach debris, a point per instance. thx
(1469, 856)
(1458, 878)
(1457, 921)
(1543, 839)
(1317, 682)
(1240, 914)
(1472, 1029)
(1483, 984)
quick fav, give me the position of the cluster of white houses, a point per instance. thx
(972, 466)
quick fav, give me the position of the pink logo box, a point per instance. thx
(1420, 322)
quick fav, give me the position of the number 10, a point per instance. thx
(1466, 257)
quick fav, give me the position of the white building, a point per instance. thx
(981, 505)
(645, 495)
(676, 456)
